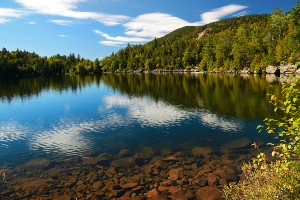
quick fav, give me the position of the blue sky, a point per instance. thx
(96, 28)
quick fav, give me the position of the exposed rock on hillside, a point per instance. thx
(203, 33)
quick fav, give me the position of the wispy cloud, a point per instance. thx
(32, 23)
(243, 13)
(119, 40)
(63, 36)
(68, 8)
(62, 22)
(7, 14)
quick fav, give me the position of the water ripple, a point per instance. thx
(12, 131)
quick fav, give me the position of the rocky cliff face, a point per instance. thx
(203, 33)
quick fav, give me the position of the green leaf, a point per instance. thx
(288, 109)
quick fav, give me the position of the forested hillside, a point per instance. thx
(249, 42)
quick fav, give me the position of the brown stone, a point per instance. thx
(97, 185)
(129, 185)
(167, 182)
(81, 188)
(204, 171)
(154, 195)
(62, 197)
(175, 174)
(174, 189)
(202, 181)
(190, 173)
(201, 151)
(30, 184)
(189, 194)
(170, 158)
(209, 193)
(71, 182)
(162, 188)
(100, 192)
(223, 182)
(212, 179)
(124, 162)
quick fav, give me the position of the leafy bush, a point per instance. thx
(279, 179)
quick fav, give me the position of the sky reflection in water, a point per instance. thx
(98, 116)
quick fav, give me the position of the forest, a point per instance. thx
(249, 42)
(18, 62)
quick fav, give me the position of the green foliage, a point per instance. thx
(267, 182)
(279, 179)
(287, 127)
(25, 63)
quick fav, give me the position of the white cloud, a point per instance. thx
(153, 25)
(119, 40)
(112, 43)
(216, 14)
(32, 23)
(63, 36)
(6, 14)
(62, 22)
(68, 8)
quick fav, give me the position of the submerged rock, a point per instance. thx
(38, 164)
(146, 153)
(175, 174)
(201, 151)
(165, 152)
(235, 144)
(123, 153)
(209, 193)
(124, 162)
(96, 160)
(97, 185)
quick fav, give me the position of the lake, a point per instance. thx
(128, 135)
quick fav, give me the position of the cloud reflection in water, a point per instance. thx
(71, 138)
(218, 122)
(147, 111)
(11, 131)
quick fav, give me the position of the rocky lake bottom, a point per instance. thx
(199, 173)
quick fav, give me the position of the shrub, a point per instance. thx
(279, 179)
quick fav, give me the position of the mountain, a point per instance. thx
(249, 42)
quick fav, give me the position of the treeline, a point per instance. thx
(249, 42)
(18, 62)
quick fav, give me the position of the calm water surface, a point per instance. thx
(121, 136)
(58, 118)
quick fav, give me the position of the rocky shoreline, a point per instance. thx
(197, 174)
(282, 69)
